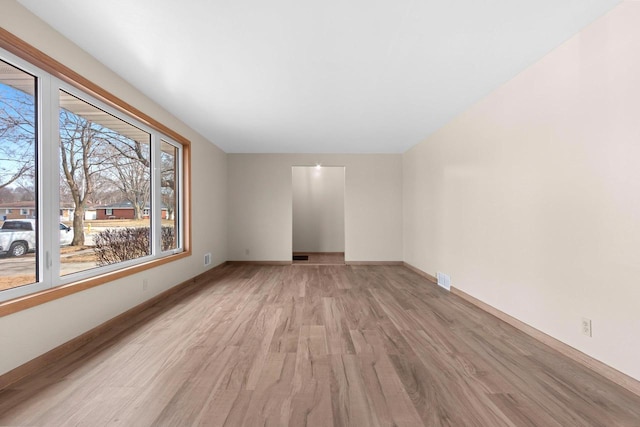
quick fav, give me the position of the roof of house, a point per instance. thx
(30, 204)
(123, 205)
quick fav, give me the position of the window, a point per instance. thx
(18, 143)
(169, 166)
(53, 130)
(18, 225)
(103, 156)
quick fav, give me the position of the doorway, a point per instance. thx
(318, 214)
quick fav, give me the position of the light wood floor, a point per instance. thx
(316, 345)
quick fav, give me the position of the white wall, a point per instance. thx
(260, 205)
(318, 209)
(30, 333)
(531, 199)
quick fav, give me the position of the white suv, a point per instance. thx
(18, 236)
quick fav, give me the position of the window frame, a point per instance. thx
(53, 76)
(179, 176)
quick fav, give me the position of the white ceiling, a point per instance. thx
(332, 76)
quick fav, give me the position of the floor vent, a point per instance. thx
(301, 257)
(444, 281)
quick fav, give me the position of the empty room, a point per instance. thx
(319, 214)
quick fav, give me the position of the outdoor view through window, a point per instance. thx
(169, 185)
(105, 187)
(86, 188)
(18, 206)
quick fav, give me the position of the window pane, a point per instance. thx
(18, 238)
(169, 185)
(105, 174)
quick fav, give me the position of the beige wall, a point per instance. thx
(531, 199)
(260, 205)
(31, 332)
(318, 209)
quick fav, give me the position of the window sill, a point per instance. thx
(35, 299)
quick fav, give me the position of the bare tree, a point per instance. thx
(82, 158)
(129, 169)
(17, 135)
(133, 179)
(168, 183)
(105, 193)
(131, 149)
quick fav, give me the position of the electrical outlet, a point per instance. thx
(247, 251)
(145, 285)
(586, 326)
(207, 259)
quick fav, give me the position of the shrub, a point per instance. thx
(115, 245)
(167, 238)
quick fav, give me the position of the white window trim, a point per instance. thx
(179, 230)
(47, 181)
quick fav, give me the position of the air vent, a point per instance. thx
(444, 281)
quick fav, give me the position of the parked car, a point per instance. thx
(18, 236)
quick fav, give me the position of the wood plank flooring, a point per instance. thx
(317, 346)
